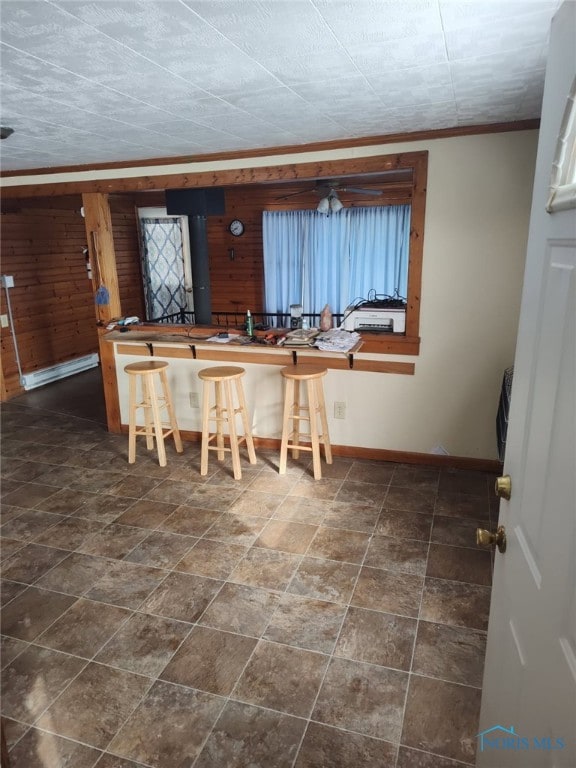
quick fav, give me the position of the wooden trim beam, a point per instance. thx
(319, 146)
(98, 222)
(110, 383)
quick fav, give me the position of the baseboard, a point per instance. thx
(60, 371)
(376, 454)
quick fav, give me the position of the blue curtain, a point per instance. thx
(315, 259)
(162, 266)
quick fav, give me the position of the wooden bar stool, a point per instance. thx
(294, 413)
(224, 413)
(151, 403)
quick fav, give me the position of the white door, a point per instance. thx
(528, 713)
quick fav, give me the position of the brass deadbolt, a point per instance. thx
(489, 540)
(503, 487)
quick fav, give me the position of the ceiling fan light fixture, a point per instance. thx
(335, 203)
(324, 205)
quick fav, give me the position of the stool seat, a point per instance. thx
(224, 414)
(295, 413)
(151, 403)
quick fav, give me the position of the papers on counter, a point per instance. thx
(337, 340)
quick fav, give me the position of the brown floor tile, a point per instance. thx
(75, 575)
(282, 678)
(29, 525)
(338, 544)
(412, 758)
(10, 647)
(455, 654)
(257, 503)
(302, 510)
(371, 472)
(410, 499)
(266, 568)
(325, 747)
(224, 477)
(213, 497)
(190, 521)
(211, 558)
(210, 660)
(95, 480)
(95, 705)
(272, 482)
(324, 579)
(306, 623)
(32, 611)
(172, 491)
(8, 513)
(316, 489)
(242, 609)
(464, 481)
(146, 514)
(352, 517)
(286, 536)
(13, 731)
(388, 591)
(378, 638)
(34, 679)
(113, 761)
(134, 486)
(369, 494)
(460, 564)
(182, 596)
(364, 698)
(70, 533)
(84, 628)
(442, 718)
(457, 532)
(451, 504)
(250, 736)
(9, 590)
(28, 494)
(144, 644)
(125, 584)
(406, 555)
(161, 550)
(412, 476)
(8, 547)
(187, 717)
(114, 541)
(236, 529)
(31, 562)
(38, 749)
(404, 525)
(63, 502)
(103, 507)
(451, 602)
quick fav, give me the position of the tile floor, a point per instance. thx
(153, 617)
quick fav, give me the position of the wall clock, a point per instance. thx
(236, 227)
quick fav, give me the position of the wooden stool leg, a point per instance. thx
(313, 412)
(170, 410)
(132, 419)
(296, 421)
(205, 427)
(288, 401)
(323, 421)
(245, 421)
(219, 416)
(232, 431)
(157, 420)
(147, 412)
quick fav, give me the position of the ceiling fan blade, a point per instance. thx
(293, 194)
(358, 191)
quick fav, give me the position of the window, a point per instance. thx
(314, 259)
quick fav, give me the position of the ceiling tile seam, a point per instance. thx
(447, 57)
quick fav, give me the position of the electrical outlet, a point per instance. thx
(194, 400)
(339, 410)
(3, 321)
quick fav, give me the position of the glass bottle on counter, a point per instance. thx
(249, 323)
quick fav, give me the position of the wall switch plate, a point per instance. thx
(194, 400)
(339, 410)
(3, 321)
(8, 281)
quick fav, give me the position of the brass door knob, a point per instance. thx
(503, 487)
(489, 540)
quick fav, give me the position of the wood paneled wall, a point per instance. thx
(125, 231)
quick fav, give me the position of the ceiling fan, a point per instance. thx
(331, 189)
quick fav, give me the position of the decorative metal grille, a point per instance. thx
(162, 266)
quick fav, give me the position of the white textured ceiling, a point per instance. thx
(90, 81)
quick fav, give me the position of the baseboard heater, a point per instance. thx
(60, 371)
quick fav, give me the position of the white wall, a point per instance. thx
(477, 213)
